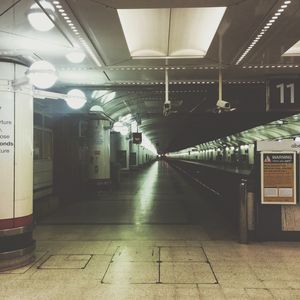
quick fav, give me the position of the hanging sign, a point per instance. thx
(278, 177)
(136, 137)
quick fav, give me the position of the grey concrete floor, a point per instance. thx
(156, 237)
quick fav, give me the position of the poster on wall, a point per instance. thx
(278, 177)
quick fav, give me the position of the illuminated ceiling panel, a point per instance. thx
(193, 29)
(146, 31)
(293, 51)
(175, 33)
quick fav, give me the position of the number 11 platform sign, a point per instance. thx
(283, 95)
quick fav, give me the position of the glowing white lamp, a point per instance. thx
(124, 130)
(297, 140)
(76, 99)
(42, 74)
(117, 126)
(96, 108)
(76, 57)
(37, 17)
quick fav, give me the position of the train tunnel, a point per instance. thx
(149, 149)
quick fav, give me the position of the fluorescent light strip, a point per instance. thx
(66, 18)
(160, 68)
(183, 82)
(269, 66)
(267, 26)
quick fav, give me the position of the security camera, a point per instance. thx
(223, 104)
(167, 106)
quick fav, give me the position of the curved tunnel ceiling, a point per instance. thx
(137, 85)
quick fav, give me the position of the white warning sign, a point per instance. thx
(278, 178)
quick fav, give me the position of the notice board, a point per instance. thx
(278, 177)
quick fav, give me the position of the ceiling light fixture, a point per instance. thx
(76, 99)
(76, 57)
(42, 74)
(264, 30)
(37, 17)
(96, 108)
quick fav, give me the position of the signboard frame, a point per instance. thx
(137, 138)
(283, 95)
(295, 191)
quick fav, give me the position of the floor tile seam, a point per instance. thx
(266, 289)
(209, 263)
(31, 268)
(108, 265)
(38, 264)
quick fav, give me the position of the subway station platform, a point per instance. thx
(157, 236)
(149, 149)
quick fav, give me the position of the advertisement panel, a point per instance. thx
(7, 140)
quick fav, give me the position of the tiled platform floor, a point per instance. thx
(68, 268)
(180, 250)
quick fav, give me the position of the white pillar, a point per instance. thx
(99, 151)
(134, 155)
(123, 153)
(16, 165)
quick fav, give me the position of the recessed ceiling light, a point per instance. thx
(280, 10)
(283, 6)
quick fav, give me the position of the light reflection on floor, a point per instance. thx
(145, 197)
